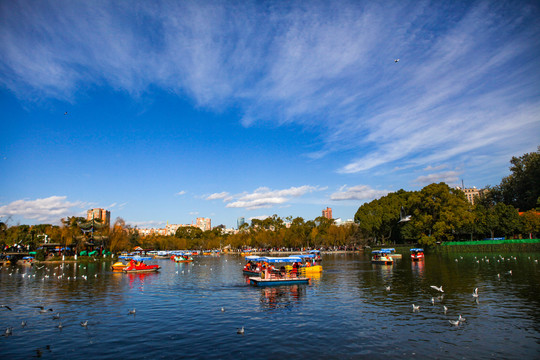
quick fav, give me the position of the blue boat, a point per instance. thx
(258, 281)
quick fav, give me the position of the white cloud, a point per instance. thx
(264, 197)
(358, 192)
(222, 195)
(146, 224)
(180, 193)
(449, 177)
(455, 94)
(50, 209)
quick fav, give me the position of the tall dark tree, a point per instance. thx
(521, 188)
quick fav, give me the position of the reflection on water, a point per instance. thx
(360, 309)
(281, 297)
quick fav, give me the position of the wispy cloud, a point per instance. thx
(180, 193)
(146, 224)
(264, 197)
(222, 196)
(50, 209)
(466, 84)
(358, 192)
(449, 177)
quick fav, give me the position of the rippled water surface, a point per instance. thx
(346, 313)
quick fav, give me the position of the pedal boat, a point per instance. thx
(141, 268)
(417, 254)
(381, 258)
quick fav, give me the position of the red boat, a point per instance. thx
(417, 254)
(138, 267)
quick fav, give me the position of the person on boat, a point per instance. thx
(308, 264)
(295, 268)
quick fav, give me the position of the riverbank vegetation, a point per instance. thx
(436, 214)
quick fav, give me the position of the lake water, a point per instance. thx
(346, 313)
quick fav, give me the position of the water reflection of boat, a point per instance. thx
(381, 257)
(417, 254)
(281, 296)
(392, 253)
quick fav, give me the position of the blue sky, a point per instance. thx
(221, 109)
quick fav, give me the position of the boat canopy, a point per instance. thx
(314, 251)
(135, 257)
(376, 252)
(388, 250)
(304, 256)
(254, 258)
(417, 249)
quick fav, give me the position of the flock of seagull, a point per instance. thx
(57, 273)
(475, 295)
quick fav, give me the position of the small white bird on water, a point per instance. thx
(240, 331)
(388, 288)
(84, 324)
(415, 307)
(454, 322)
(445, 309)
(461, 318)
(475, 293)
(131, 312)
(437, 288)
(222, 309)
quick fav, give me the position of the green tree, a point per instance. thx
(530, 221)
(438, 213)
(521, 188)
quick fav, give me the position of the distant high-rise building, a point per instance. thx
(240, 221)
(204, 224)
(472, 193)
(327, 213)
(99, 214)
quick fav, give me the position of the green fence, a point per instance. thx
(492, 242)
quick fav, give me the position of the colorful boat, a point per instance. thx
(259, 281)
(182, 258)
(140, 267)
(381, 257)
(417, 254)
(270, 276)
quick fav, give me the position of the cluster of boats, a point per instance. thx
(386, 256)
(274, 271)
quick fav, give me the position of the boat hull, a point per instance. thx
(382, 262)
(141, 269)
(251, 273)
(258, 281)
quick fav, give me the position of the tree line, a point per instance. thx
(437, 213)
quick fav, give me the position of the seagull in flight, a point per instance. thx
(84, 324)
(5, 306)
(475, 293)
(43, 310)
(388, 288)
(396, 60)
(415, 307)
(437, 288)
